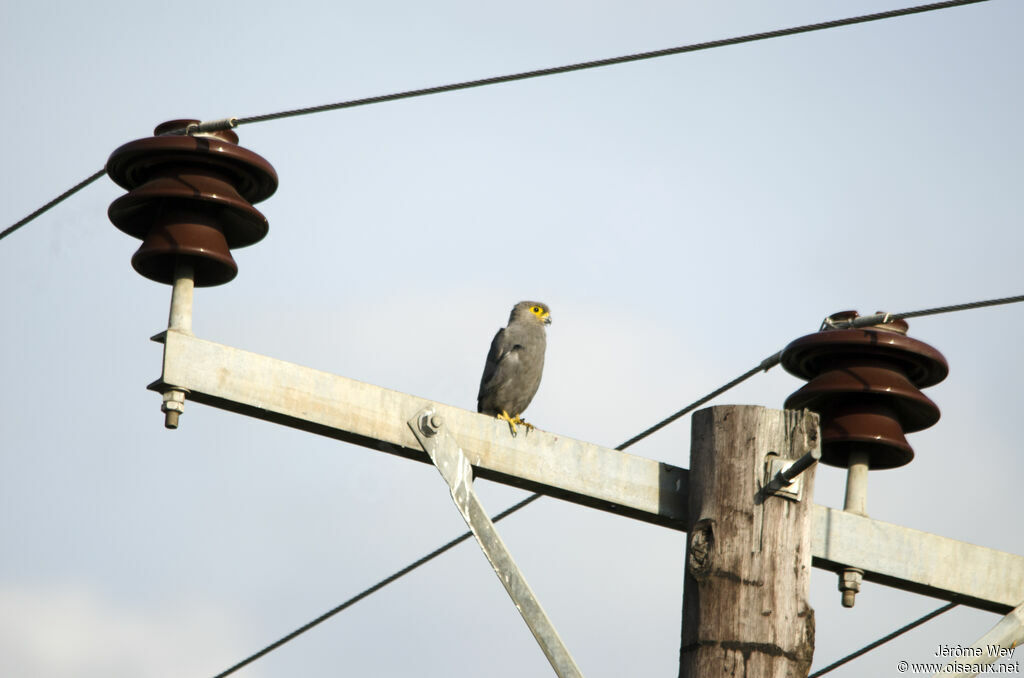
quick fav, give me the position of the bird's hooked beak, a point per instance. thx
(547, 319)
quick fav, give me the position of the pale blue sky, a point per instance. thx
(683, 217)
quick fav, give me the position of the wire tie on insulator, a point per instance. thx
(861, 321)
(871, 320)
(211, 126)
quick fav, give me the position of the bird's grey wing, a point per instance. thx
(501, 360)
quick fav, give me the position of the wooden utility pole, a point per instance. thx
(748, 556)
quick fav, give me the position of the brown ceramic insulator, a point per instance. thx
(865, 383)
(191, 197)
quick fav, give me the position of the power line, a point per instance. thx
(962, 307)
(765, 365)
(228, 123)
(598, 63)
(885, 639)
(376, 587)
(882, 318)
(53, 203)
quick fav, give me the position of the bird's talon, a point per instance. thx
(525, 424)
(512, 421)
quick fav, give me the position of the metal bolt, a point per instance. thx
(849, 583)
(173, 407)
(430, 424)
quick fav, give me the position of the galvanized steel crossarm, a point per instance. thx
(917, 561)
(573, 470)
(375, 417)
(231, 122)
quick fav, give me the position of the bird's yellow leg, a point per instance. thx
(504, 416)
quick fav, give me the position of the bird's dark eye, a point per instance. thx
(536, 309)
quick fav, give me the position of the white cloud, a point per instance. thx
(73, 631)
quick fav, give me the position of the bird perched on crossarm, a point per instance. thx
(515, 364)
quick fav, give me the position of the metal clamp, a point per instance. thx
(784, 475)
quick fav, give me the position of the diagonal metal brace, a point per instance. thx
(444, 451)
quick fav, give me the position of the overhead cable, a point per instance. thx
(882, 318)
(598, 63)
(765, 365)
(53, 203)
(376, 587)
(227, 123)
(885, 639)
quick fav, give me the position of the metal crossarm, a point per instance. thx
(572, 470)
(371, 416)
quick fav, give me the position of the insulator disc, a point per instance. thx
(134, 163)
(814, 353)
(198, 239)
(874, 429)
(135, 212)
